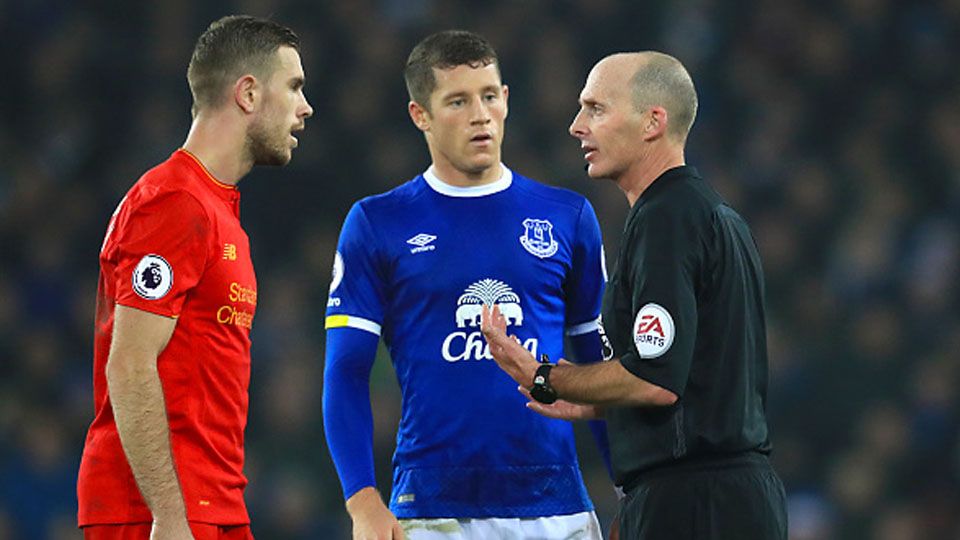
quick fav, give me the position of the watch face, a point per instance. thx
(541, 390)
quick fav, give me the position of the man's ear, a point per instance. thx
(246, 93)
(419, 115)
(506, 101)
(656, 126)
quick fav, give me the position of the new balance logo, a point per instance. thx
(422, 241)
(229, 252)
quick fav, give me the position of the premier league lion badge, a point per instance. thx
(538, 239)
(153, 277)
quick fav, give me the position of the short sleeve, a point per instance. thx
(583, 288)
(357, 289)
(666, 255)
(162, 248)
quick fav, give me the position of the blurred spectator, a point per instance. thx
(833, 127)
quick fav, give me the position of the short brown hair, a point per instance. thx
(230, 48)
(444, 50)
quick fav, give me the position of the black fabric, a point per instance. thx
(739, 500)
(692, 257)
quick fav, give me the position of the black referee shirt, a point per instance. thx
(684, 310)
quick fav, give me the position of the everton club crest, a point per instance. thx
(538, 238)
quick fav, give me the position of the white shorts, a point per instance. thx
(582, 526)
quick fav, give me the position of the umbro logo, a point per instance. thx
(423, 243)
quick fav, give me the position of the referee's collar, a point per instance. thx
(438, 185)
(667, 177)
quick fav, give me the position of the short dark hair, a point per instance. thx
(444, 50)
(230, 48)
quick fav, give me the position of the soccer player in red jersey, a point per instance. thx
(163, 458)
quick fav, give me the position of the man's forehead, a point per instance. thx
(465, 79)
(613, 71)
(288, 55)
(603, 85)
(467, 72)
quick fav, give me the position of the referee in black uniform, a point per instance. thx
(684, 394)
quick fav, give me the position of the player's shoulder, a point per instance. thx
(165, 185)
(397, 199)
(549, 194)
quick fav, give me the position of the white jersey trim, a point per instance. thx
(349, 321)
(438, 185)
(584, 328)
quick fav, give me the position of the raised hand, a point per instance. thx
(506, 350)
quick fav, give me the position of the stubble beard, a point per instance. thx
(266, 148)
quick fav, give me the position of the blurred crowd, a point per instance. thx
(834, 127)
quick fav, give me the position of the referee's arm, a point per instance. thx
(606, 384)
(602, 384)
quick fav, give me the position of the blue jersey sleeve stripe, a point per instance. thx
(349, 321)
(583, 328)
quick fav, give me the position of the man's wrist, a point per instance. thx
(361, 498)
(541, 390)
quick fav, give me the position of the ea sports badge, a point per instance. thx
(153, 277)
(653, 331)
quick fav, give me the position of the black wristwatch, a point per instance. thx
(541, 389)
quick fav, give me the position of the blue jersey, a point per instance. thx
(415, 265)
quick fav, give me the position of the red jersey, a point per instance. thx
(175, 248)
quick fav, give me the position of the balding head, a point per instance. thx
(655, 80)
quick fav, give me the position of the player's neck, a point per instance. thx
(453, 176)
(646, 170)
(219, 144)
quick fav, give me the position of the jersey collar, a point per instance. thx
(438, 185)
(218, 188)
(667, 177)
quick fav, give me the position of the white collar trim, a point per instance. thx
(438, 185)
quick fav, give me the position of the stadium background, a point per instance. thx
(833, 126)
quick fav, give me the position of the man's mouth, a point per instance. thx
(292, 136)
(481, 138)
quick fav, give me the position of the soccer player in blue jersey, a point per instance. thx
(414, 266)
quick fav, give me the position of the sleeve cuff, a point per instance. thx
(652, 371)
(583, 328)
(154, 309)
(349, 321)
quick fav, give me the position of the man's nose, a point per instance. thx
(480, 112)
(576, 128)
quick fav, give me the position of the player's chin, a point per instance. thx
(482, 162)
(284, 152)
(597, 172)
(278, 158)
(272, 152)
